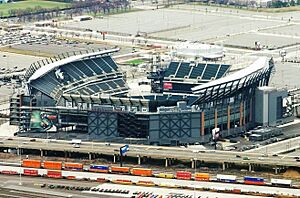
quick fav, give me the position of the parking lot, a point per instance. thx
(237, 28)
(176, 24)
(267, 41)
(20, 37)
(290, 29)
(286, 75)
(11, 61)
(45, 44)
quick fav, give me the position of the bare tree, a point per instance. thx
(133, 72)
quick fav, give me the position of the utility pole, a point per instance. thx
(121, 157)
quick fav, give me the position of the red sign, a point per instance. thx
(168, 85)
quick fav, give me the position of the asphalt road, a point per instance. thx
(279, 147)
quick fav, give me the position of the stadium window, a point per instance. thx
(279, 108)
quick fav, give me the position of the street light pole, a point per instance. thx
(20, 153)
(195, 167)
(121, 157)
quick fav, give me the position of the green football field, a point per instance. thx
(4, 8)
(135, 62)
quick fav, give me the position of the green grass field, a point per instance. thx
(135, 62)
(4, 8)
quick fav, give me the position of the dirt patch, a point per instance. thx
(292, 173)
(5, 156)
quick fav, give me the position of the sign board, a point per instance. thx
(124, 149)
(215, 133)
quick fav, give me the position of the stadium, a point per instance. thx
(86, 96)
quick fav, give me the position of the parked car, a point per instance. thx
(76, 146)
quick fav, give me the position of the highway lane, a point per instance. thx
(93, 146)
(154, 152)
(278, 147)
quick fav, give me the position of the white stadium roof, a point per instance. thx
(258, 65)
(49, 67)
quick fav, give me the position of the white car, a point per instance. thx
(76, 146)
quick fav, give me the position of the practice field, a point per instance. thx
(135, 62)
(4, 8)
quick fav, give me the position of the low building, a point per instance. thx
(198, 50)
(274, 107)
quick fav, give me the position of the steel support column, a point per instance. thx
(241, 114)
(216, 118)
(202, 124)
(139, 159)
(228, 117)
